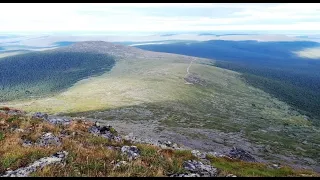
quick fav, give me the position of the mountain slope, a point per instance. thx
(271, 66)
(41, 73)
(153, 95)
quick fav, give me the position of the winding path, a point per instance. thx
(188, 70)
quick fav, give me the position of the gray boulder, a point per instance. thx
(40, 115)
(198, 167)
(58, 121)
(107, 132)
(25, 171)
(48, 139)
(131, 151)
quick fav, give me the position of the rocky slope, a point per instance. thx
(44, 145)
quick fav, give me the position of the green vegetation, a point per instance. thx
(247, 169)
(287, 70)
(1, 136)
(302, 98)
(41, 73)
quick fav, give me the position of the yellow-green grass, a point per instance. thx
(89, 155)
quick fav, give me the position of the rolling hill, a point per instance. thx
(162, 95)
(274, 67)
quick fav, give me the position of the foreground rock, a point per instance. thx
(159, 143)
(52, 120)
(197, 169)
(107, 132)
(48, 139)
(131, 151)
(25, 171)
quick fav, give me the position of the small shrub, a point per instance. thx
(1, 136)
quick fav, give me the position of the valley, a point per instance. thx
(145, 93)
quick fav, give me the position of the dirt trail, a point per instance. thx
(188, 70)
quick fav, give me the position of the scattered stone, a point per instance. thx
(25, 171)
(40, 115)
(216, 154)
(119, 164)
(105, 131)
(18, 130)
(48, 139)
(231, 175)
(58, 121)
(97, 124)
(238, 153)
(275, 166)
(15, 112)
(199, 168)
(94, 130)
(199, 154)
(165, 144)
(132, 151)
(27, 143)
(52, 120)
(185, 175)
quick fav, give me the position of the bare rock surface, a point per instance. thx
(131, 151)
(197, 169)
(25, 171)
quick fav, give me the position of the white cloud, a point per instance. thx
(135, 17)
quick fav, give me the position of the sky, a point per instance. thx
(158, 17)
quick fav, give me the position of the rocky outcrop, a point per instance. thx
(107, 132)
(131, 151)
(48, 139)
(25, 171)
(197, 169)
(159, 143)
(52, 119)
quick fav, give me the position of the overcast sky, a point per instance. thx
(153, 17)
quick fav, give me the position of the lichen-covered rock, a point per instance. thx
(15, 112)
(198, 167)
(131, 151)
(238, 153)
(185, 175)
(51, 119)
(107, 132)
(48, 139)
(216, 154)
(58, 121)
(25, 171)
(40, 115)
(199, 154)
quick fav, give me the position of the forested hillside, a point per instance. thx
(39, 73)
(271, 66)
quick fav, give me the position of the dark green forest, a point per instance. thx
(38, 73)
